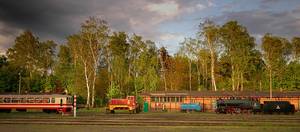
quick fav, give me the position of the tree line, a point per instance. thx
(97, 63)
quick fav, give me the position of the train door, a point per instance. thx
(61, 102)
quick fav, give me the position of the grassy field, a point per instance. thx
(93, 128)
(232, 123)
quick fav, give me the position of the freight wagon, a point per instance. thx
(186, 107)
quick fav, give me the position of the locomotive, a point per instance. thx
(238, 105)
(129, 103)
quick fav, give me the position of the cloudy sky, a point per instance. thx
(166, 22)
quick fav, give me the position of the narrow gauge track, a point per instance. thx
(152, 122)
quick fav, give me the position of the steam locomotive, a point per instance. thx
(251, 105)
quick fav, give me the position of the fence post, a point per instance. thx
(74, 106)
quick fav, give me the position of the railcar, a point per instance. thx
(47, 103)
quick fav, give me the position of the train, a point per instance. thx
(129, 103)
(47, 103)
(238, 105)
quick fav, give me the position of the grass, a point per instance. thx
(94, 128)
(249, 123)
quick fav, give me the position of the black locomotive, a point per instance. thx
(238, 105)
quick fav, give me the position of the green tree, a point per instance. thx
(190, 48)
(296, 49)
(87, 48)
(211, 36)
(34, 57)
(274, 51)
(8, 76)
(238, 46)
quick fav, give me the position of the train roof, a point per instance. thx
(223, 94)
(33, 95)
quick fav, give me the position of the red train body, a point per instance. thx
(129, 103)
(47, 103)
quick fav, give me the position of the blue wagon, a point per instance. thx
(190, 107)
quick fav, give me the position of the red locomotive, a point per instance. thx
(47, 103)
(129, 103)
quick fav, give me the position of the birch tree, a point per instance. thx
(88, 47)
(210, 34)
(274, 49)
(238, 46)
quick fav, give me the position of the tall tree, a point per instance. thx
(203, 58)
(87, 48)
(274, 49)
(296, 49)
(163, 59)
(210, 33)
(24, 52)
(119, 49)
(189, 48)
(238, 47)
(34, 57)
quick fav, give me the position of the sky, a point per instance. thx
(166, 22)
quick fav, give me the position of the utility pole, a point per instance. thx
(19, 82)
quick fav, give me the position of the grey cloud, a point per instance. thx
(56, 19)
(260, 22)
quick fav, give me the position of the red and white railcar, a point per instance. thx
(47, 103)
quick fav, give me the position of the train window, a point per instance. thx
(7, 100)
(180, 99)
(23, 100)
(153, 99)
(162, 99)
(15, 100)
(38, 100)
(30, 100)
(52, 100)
(1, 100)
(172, 99)
(69, 100)
(46, 100)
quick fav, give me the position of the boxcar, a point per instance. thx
(47, 103)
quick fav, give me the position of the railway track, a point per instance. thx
(161, 121)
